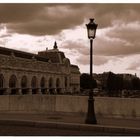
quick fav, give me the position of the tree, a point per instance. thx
(136, 83)
(86, 82)
(110, 81)
(114, 84)
(127, 84)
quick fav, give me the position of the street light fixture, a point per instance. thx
(91, 30)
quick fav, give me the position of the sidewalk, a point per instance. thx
(71, 118)
(65, 124)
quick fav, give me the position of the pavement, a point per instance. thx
(72, 122)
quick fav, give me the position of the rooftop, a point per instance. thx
(21, 54)
(54, 54)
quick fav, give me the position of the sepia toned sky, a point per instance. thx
(35, 27)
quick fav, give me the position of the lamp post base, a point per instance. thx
(91, 118)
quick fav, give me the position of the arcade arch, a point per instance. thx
(34, 85)
(42, 85)
(24, 84)
(58, 89)
(1, 84)
(13, 84)
(51, 89)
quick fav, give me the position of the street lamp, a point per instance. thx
(91, 30)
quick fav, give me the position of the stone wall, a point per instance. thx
(104, 106)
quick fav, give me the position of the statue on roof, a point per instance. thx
(55, 45)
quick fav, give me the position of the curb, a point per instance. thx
(72, 126)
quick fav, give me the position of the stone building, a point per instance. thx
(48, 72)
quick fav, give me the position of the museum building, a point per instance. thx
(48, 72)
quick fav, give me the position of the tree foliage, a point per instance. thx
(114, 82)
(136, 83)
(86, 82)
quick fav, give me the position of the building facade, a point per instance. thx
(48, 72)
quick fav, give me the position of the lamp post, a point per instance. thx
(91, 30)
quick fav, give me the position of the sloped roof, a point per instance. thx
(54, 56)
(21, 54)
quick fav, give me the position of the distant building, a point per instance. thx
(101, 78)
(48, 72)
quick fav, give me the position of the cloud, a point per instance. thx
(97, 60)
(100, 60)
(51, 19)
(77, 46)
(120, 39)
(13, 13)
(113, 47)
(106, 14)
(117, 34)
(40, 19)
(134, 65)
(126, 31)
(83, 52)
(83, 60)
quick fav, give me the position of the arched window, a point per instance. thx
(42, 85)
(1, 81)
(12, 81)
(58, 85)
(66, 82)
(42, 82)
(51, 86)
(1, 84)
(24, 84)
(50, 83)
(12, 84)
(57, 82)
(33, 82)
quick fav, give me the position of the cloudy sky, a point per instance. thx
(35, 27)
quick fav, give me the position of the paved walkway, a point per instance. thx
(65, 124)
(71, 118)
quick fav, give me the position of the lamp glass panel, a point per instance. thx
(91, 33)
